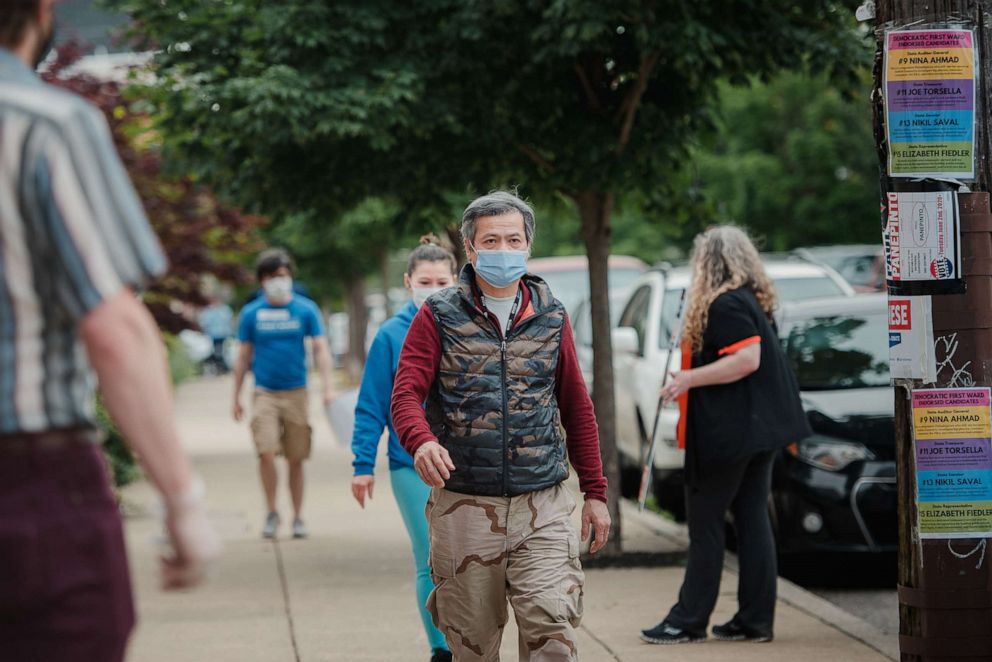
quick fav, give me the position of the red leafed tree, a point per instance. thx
(200, 235)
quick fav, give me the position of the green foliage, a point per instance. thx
(793, 160)
(181, 366)
(123, 467)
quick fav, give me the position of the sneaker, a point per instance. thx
(734, 631)
(299, 529)
(664, 633)
(271, 525)
(441, 655)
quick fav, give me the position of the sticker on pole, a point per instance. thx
(952, 438)
(929, 92)
(911, 346)
(922, 237)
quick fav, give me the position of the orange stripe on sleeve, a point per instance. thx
(738, 346)
(684, 398)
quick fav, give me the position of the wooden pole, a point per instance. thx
(945, 592)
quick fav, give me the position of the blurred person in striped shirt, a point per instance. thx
(74, 242)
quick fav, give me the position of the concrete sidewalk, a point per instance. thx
(347, 593)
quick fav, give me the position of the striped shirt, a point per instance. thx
(72, 234)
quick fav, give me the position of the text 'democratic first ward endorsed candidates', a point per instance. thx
(953, 441)
(930, 103)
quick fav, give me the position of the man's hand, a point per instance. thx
(329, 396)
(596, 517)
(238, 411)
(433, 464)
(360, 486)
(194, 543)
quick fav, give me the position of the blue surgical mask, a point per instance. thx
(501, 268)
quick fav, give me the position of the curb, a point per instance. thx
(791, 594)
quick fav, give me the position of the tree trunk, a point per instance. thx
(931, 569)
(596, 209)
(358, 321)
(384, 274)
(454, 236)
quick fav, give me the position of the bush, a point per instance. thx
(123, 466)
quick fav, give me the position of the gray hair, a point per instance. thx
(496, 203)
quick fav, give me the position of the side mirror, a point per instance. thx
(626, 341)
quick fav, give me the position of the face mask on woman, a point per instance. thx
(420, 294)
(278, 288)
(501, 268)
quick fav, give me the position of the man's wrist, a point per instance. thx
(189, 497)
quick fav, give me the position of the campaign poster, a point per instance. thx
(922, 237)
(911, 346)
(929, 92)
(953, 442)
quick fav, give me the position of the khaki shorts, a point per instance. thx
(280, 423)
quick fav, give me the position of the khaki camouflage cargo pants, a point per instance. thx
(487, 550)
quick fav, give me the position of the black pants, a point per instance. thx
(744, 490)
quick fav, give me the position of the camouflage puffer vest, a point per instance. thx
(493, 404)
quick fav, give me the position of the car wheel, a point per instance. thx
(630, 481)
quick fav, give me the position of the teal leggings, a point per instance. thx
(411, 496)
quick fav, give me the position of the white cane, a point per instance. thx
(647, 472)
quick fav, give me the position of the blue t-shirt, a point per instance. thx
(277, 334)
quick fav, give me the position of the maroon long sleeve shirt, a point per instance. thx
(418, 368)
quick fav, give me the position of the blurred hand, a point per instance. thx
(238, 412)
(678, 383)
(194, 542)
(596, 519)
(329, 396)
(433, 464)
(360, 486)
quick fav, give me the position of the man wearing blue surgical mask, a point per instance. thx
(495, 362)
(272, 331)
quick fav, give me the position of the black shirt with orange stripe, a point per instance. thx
(727, 423)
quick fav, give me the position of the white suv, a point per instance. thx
(641, 343)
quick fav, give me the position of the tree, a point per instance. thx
(303, 106)
(200, 235)
(791, 160)
(593, 99)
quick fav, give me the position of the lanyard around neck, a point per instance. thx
(513, 310)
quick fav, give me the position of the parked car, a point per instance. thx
(861, 265)
(641, 343)
(582, 330)
(837, 489)
(568, 276)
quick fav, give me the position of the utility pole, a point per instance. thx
(945, 592)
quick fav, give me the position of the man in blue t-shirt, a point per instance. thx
(273, 330)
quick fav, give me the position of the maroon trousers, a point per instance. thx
(65, 591)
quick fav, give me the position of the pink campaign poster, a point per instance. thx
(953, 443)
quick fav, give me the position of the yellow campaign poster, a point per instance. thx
(951, 414)
(930, 82)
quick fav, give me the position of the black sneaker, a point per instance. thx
(664, 633)
(441, 655)
(734, 631)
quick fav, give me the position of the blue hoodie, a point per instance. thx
(375, 395)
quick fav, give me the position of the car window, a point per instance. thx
(803, 289)
(583, 324)
(669, 317)
(839, 351)
(636, 313)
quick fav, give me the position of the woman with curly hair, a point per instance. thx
(741, 405)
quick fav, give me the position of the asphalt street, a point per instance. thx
(863, 585)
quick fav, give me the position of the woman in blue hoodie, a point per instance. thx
(430, 268)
